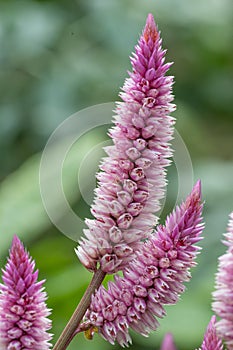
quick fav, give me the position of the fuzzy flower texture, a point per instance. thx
(223, 295)
(155, 278)
(23, 312)
(133, 176)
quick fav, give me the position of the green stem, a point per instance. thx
(67, 334)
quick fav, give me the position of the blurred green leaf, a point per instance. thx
(21, 207)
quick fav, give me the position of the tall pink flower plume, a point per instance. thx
(211, 340)
(133, 176)
(168, 342)
(154, 278)
(23, 312)
(223, 295)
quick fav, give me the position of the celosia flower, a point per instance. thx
(131, 183)
(223, 295)
(23, 312)
(211, 340)
(168, 342)
(154, 278)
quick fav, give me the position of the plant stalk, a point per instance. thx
(68, 332)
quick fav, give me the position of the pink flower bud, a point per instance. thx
(23, 312)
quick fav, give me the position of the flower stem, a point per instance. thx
(67, 334)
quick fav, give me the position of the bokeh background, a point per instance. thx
(58, 57)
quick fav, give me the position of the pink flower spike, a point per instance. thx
(223, 294)
(153, 279)
(168, 342)
(23, 312)
(150, 31)
(133, 176)
(211, 340)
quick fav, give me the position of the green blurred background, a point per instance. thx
(58, 57)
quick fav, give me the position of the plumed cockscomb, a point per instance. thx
(133, 176)
(23, 312)
(153, 279)
(211, 340)
(223, 295)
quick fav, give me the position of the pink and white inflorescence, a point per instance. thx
(133, 176)
(23, 312)
(211, 340)
(223, 295)
(154, 278)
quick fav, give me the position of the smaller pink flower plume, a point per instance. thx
(133, 177)
(168, 342)
(153, 279)
(223, 295)
(23, 311)
(211, 340)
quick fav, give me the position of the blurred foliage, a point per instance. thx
(58, 57)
